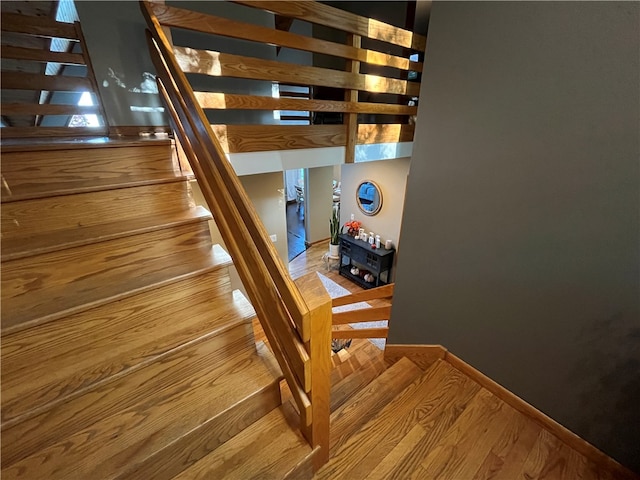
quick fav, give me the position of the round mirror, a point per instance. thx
(369, 197)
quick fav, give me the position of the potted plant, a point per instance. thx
(334, 226)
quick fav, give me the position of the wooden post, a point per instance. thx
(316, 429)
(351, 119)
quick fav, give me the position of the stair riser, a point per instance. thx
(27, 218)
(121, 338)
(303, 470)
(52, 285)
(128, 416)
(42, 173)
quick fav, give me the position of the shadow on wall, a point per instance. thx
(611, 394)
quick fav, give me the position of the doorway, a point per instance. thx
(294, 181)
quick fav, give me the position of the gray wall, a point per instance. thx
(115, 34)
(520, 235)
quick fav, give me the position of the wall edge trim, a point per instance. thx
(576, 442)
(426, 355)
(422, 355)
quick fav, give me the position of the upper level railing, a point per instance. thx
(369, 96)
(296, 318)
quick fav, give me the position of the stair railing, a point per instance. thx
(296, 321)
(365, 314)
(367, 95)
(296, 318)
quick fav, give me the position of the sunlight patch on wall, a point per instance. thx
(86, 120)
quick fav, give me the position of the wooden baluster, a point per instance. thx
(351, 119)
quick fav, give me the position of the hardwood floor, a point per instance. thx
(433, 424)
(295, 230)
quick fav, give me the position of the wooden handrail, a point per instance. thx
(223, 101)
(366, 314)
(35, 54)
(220, 64)
(234, 230)
(48, 109)
(362, 315)
(34, 81)
(341, 20)
(245, 211)
(299, 335)
(177, 119)
(200, 22)
(381, 332)
(385, 291)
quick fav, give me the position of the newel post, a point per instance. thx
(316, 429)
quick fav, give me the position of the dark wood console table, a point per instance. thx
(377, 261)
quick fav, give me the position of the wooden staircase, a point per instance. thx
(435, 422)
(125, 352)
(127, 355)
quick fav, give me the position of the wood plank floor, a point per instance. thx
(470, 434)
(295, 230)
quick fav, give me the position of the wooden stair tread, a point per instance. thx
(29, 174)
(77, 411)
(361, 407)
(56, 284)
(466, 453)
(15, 248)
(432, 402)
(38, 217)
(122, 424)
(268, 449)
(32, 192)
(117, 335)
(97, 142)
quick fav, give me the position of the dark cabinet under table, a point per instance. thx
(377, 261)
